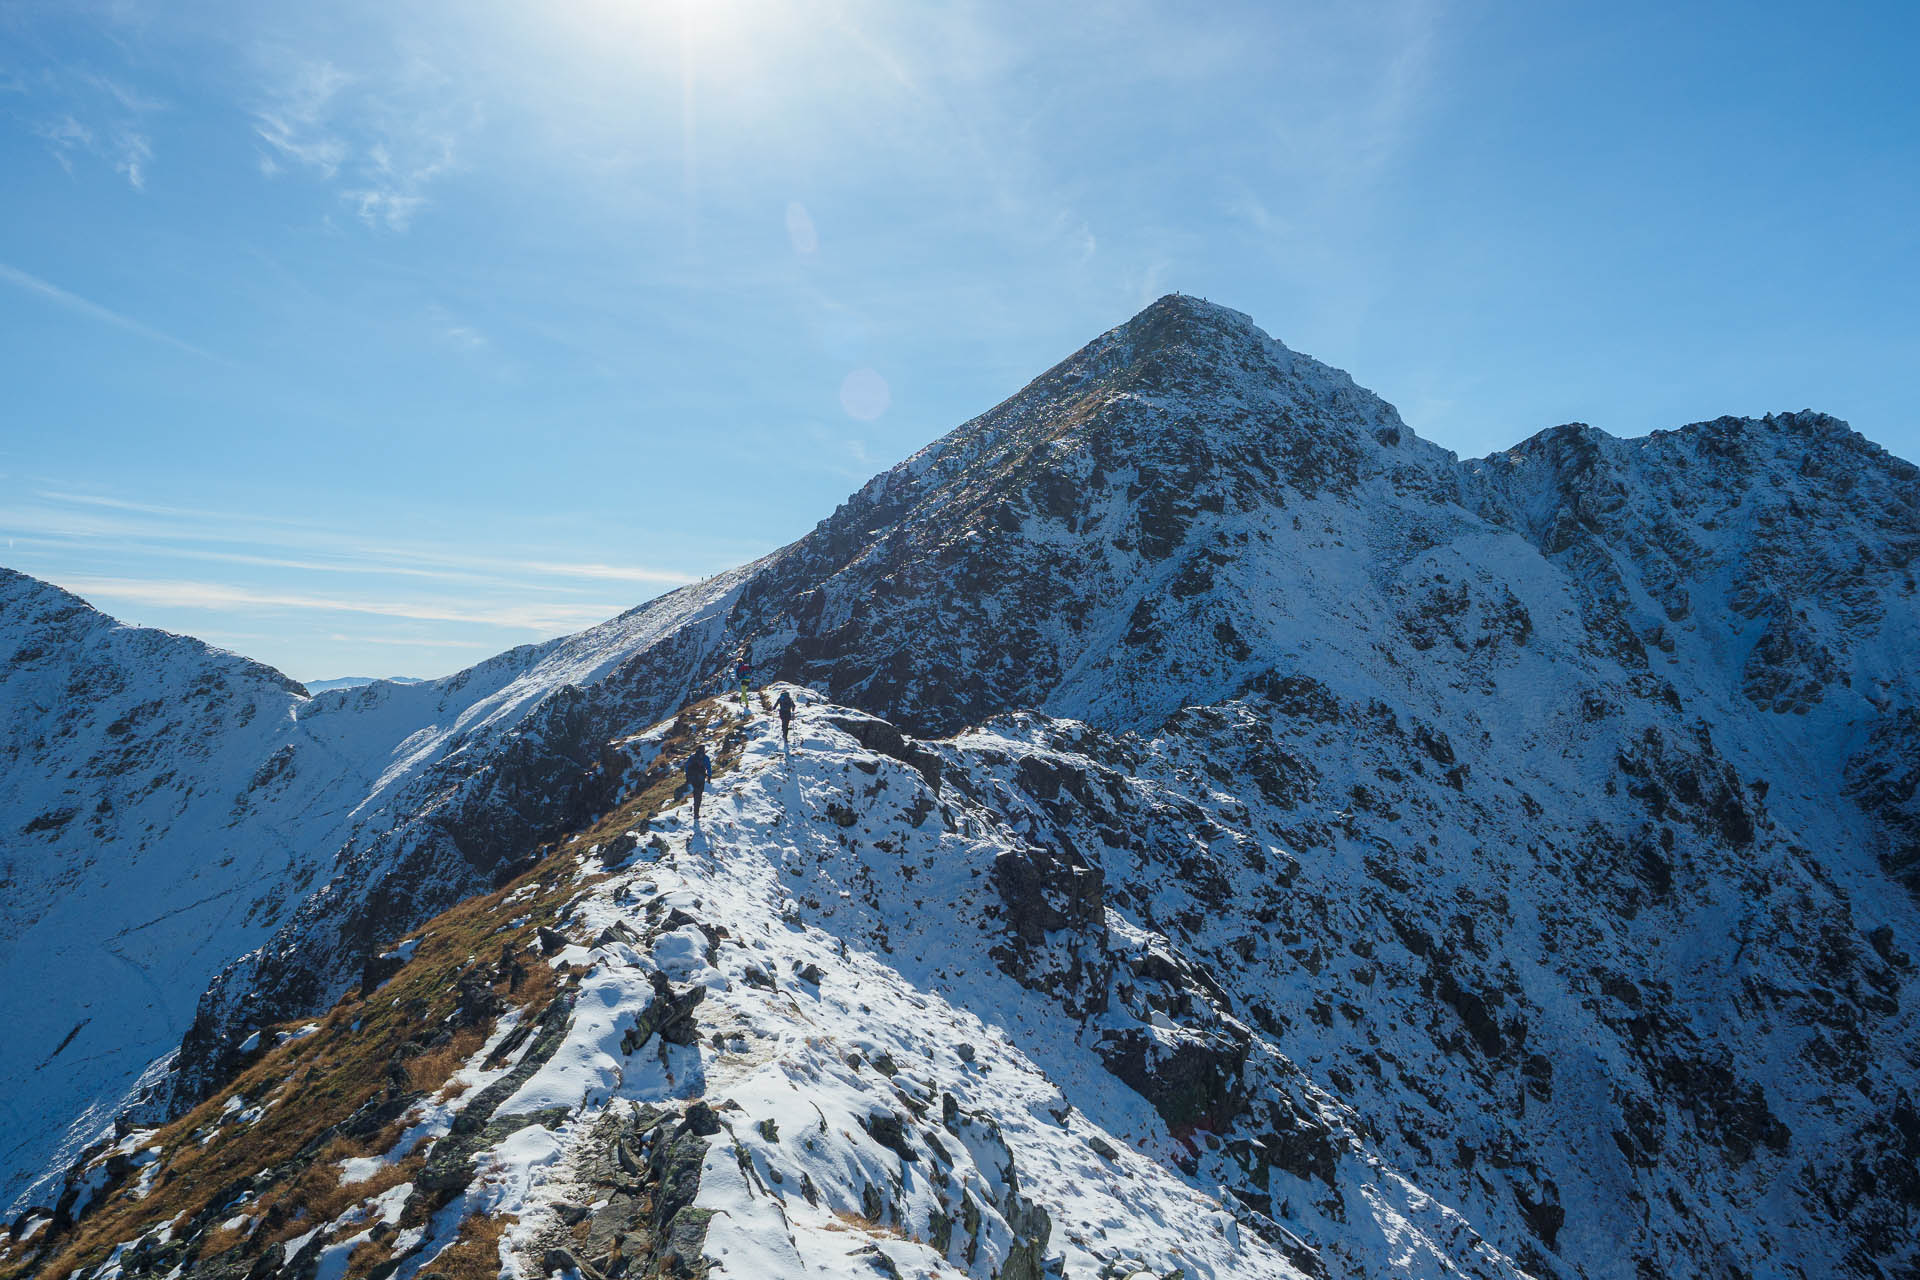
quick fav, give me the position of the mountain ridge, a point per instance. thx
(1611, 664)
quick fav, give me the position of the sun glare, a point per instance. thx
(707, 26)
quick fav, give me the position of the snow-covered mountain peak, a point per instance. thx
(41, 619)
(1209, 377)
(1500, 857)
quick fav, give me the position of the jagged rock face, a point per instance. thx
(1760, 575)
(1171, 514)
(1595, 1030)
(1540, 808)
(1050, 552)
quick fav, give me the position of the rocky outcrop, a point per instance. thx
(1358, 807)
(1884, 778)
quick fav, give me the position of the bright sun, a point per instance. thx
(707, 25)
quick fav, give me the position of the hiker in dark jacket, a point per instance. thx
(784, 707)
(699, 768)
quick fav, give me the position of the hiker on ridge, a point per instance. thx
(699, 768)
(740, 672)
(784, 707)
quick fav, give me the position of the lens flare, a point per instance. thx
(865, 395)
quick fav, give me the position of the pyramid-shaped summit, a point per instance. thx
(1025, 559)
(1198, 366)
(1370, 857)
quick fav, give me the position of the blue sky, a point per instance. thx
(373, 342)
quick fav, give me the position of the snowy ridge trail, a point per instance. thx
(866, 1045)
(1510, 864)
(171, 807)
(848, 1121)
(781, 1047)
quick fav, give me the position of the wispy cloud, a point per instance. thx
(133, 153)
(385, 137)
(92, 310)
(177, 593)
(64, 137)
(129, 100)
(384, 208)
(295, 123)
(409, 642)
(125, 527)
(118, 504)
(97, 116)
(398, 172)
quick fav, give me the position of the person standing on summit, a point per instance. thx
(699, 768)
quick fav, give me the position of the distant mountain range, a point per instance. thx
(1224, 834)
(354, 682)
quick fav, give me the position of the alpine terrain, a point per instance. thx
(1222, 835)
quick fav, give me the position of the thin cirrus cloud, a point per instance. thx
(64, 137)
(97, 116)
(177, 593)
(405, 642)
(123, 528)
(92, 310)
(294, 124)
(377, 562)
(385, 139)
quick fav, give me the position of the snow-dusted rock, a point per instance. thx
(1503, 866)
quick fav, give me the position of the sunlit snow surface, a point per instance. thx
(1541, 811)
(788, 888)
(177, 804)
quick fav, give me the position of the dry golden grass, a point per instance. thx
(319, 1191)
(475, 1254)
(223, 1238)
(846, 1220)
(430, 1070)
(318, 1081)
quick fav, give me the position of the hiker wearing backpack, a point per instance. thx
(699, 768)
(740, 672)
(784, 708)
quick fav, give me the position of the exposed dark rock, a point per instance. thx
(667, 1015)
(558, 1259)
(450, 1167)
(878, 735)
(1194, 1085)
(887, 1129)
(1045, 890)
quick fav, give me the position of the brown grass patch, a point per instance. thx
(318, 1081)
(475, 1253)
(430, 1070)
(846, 1220)
(319, 1191)
(321, 1080)
(221, 1239)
